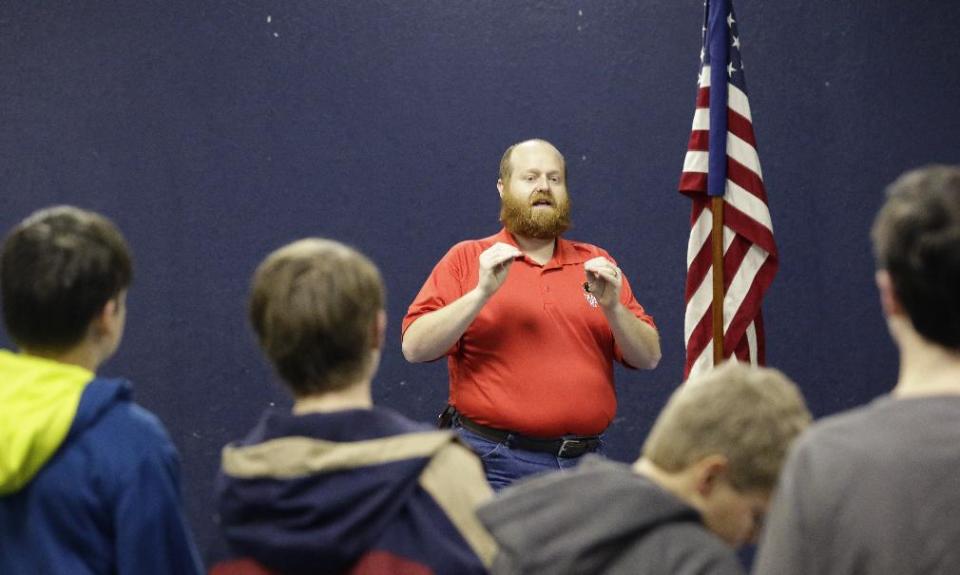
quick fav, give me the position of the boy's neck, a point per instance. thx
(356, 396)
(679, 484)
(928, 369)
(83, 355)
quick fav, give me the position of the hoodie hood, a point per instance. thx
(39, 399)
(321, 488)
(578, 521)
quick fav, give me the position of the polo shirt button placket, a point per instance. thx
(545, 289)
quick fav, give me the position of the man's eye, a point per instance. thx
(555, 180)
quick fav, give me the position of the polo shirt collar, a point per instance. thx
(564, 253)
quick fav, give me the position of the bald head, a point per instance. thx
(506, 164)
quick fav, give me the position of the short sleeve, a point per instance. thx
(444, 285)
(630, 302)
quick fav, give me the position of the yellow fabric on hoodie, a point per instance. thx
(38, 401)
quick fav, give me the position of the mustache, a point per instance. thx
(542, 197)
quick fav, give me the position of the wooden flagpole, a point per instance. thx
(716, 206)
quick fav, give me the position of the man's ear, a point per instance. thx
(888, 294)
(379, 330)
(500, 186)
(710, 471)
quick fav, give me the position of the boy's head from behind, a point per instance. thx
(722, 440)
(916, 240)
(60, 269)
(316, 306)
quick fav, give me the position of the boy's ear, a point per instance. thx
(888, 294)
(710, 471)
(106, 319)
(112, 307)
(379, 330)
(101, 321)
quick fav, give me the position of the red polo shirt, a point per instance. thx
(538, 358)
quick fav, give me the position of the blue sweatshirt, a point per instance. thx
(89, 481)
(358, 491)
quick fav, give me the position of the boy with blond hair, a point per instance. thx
(698, 491)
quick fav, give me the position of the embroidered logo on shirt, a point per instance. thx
(590, 299)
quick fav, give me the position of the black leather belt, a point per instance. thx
(573, 446)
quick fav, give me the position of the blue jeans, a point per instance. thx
(504, 465)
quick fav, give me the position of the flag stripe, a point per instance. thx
(741, 127)
(700, 136)
(736, 123)
(747, 313)
(696, 162)
(738, 102)
(740, 283)
(704, 81)
(749, 227)
(746, 179)
(698, 307)
(691, 182)
(752, 342)
(737, 99)
(749, 205)
(743, 153)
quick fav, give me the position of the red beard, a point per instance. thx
(521, 218)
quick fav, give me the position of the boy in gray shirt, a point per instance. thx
(875, 490)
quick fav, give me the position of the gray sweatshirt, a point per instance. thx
(601, 518)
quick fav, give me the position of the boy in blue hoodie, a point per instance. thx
(89, 481)
(339, 485)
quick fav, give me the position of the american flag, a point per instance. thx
(722, 161)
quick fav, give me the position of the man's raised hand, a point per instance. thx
(494, 264)
(603, 280)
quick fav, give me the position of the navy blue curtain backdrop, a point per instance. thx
(215, 131)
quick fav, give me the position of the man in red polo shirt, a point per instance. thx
(530, 324)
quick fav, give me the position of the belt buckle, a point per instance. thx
(572, 448)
